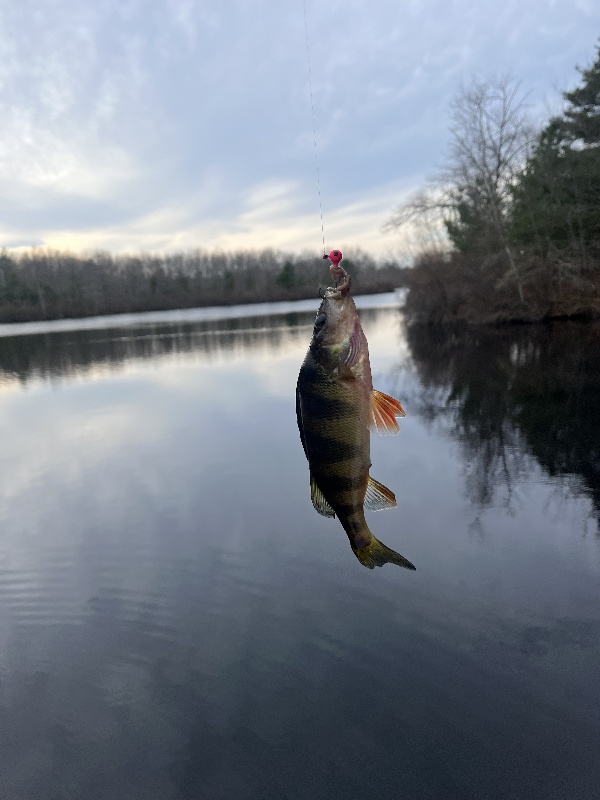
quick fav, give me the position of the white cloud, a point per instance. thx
(272, 214)
(129, 126)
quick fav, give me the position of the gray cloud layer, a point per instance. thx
(175, 124)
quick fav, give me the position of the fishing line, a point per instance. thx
(312, 108)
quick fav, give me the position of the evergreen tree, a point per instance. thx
(582, 117)
(287, 276)
(557, 201)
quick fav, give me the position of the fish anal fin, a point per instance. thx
(384, 410)
(318, 500)
(378, 496)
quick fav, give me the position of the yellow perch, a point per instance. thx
(336, 406)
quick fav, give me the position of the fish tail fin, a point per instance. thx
(376, 554)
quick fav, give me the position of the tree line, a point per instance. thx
(520, 209)
(38, 284)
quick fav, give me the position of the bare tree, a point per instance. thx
(489, 142)
(490, 138)
(426, 211)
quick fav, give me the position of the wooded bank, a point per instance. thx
(520, 211)
(43, 285)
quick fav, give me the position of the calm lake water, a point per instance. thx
(176, 621)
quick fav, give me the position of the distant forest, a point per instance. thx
(519, 206)
(40, 285)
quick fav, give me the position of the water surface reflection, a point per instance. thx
(513, 393)
(65, 354)
(177, 622)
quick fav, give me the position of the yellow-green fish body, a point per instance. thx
(336, 406)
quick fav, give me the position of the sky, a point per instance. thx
(171, 125)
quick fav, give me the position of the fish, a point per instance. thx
(336, 408)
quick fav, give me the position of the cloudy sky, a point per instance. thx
(172, 124)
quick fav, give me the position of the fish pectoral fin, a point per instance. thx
(318, 500)
(352, 352)
(378, 496)
(384, 410)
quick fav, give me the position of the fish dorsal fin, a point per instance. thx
(384, 410)
(378, 496)
(318, 500)
(352, 355)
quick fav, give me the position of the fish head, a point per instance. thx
(335, 318)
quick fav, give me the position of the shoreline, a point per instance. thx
(189, 315)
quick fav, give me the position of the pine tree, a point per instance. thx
(557, 201)
(582, 117)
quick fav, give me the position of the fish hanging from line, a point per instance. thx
(336, 406)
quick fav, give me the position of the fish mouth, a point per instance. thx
(336, 292)
(330, 293)
(339, 290)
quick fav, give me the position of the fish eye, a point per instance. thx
(320, 320)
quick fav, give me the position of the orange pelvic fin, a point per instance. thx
(384, 410)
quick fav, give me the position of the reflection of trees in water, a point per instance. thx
(515, 392)
(67, 354)
(74, 353)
